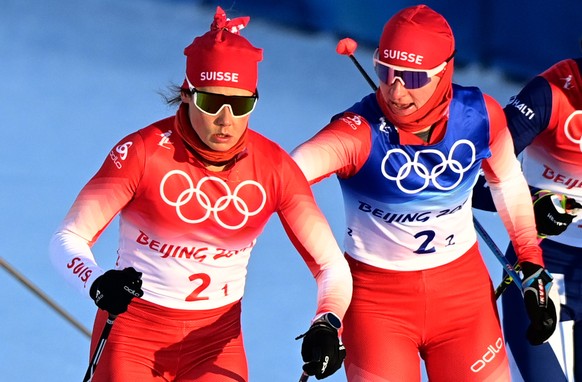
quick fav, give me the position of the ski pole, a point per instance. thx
(347, 47)
(97, 354)
(505, 282)
(39, 293)
(497, 252)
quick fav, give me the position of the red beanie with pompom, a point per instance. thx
(222, 57)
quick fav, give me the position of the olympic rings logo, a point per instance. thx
(438, 175)
(569, 134)
(222, 203)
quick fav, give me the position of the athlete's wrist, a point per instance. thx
(330, 319)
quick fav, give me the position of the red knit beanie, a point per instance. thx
(417, 38)
(222, 57)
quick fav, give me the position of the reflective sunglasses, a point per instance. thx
(410, 78)
(212, 103)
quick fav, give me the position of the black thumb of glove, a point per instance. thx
(321, 350)
(538, 305)
(113, 290)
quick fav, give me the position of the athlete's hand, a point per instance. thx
(322, 350)
(553, 212)
(113, 290)
(536, 284)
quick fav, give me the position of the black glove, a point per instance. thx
(322, 351)
(553, 213)
(113, 290)
(536, 284)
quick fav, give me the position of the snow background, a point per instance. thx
(75, 77)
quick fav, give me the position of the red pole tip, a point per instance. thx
(346, 46)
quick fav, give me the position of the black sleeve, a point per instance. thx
(528, 113)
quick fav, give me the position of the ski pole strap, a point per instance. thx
(540, 277)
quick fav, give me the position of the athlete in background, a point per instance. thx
(545, 120)
(194, 191)
(407, 157)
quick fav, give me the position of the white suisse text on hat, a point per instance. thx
(403, 56)
(219, 76)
